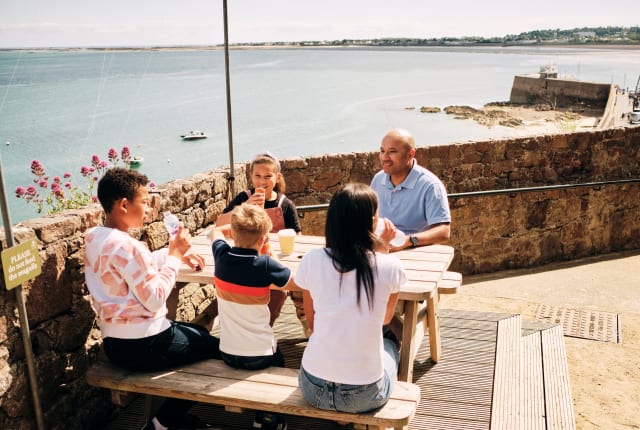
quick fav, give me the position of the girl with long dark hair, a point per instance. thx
(350, 291)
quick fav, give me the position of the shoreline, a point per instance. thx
(313, 45)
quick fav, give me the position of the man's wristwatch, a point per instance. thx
(413, 240)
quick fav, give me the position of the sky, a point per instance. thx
(100, 23)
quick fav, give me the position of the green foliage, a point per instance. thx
(603, 35)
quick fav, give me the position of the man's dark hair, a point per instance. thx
(119, 183)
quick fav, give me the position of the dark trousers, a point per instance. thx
(254, 363)
(182, 343)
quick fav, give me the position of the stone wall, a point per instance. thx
(496, 232)
(64, 338)
(532, 89)
(490, 232)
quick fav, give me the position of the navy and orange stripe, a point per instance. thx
(241, 294)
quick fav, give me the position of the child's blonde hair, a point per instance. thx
(269, 158)
(249, 223)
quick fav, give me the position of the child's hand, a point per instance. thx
(180, 244)
(193, 260)
(257, 199)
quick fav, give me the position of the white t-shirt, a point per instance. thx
(346, 344)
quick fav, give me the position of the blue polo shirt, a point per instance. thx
(417, 203)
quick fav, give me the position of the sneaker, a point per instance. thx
(148, 425)
(257, 420)
(269, 421)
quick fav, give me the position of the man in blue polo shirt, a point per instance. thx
(412, 197)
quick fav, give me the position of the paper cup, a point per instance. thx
(287, 238)
(260, 190)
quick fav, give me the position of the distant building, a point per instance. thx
(585, 34)
(548, 71)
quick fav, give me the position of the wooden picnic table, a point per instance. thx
(418, 301)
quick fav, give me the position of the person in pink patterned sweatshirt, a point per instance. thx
(129, 286)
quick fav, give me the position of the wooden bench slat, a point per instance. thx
(273, 389)
(504, 413)
(271, 375)
(532, 413)
(559, 403)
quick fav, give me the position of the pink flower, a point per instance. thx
(56, 198)
(37, 168)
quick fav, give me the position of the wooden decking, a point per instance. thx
(496, 372)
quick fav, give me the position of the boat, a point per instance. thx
(135, 162)
(193, 135)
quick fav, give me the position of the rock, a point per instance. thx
(462, 111)
(429, 109)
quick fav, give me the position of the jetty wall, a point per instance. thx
(489, 232)
(539, 88)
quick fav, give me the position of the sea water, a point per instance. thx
(61, 107)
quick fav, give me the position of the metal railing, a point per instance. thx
(510, 191)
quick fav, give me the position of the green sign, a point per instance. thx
(20, 263)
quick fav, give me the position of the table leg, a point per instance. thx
(408, 349)
(433, 321)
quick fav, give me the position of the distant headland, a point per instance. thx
(585, 37)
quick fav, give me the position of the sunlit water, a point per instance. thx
(62, 107)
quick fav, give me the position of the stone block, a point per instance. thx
(51, 228)
(296, 182)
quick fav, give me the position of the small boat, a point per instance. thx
(193, 135)
(135, 162)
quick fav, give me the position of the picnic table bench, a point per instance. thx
(273, 390)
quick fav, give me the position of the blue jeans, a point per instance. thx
(333, 396)
(253, 363)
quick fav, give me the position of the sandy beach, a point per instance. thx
(604, 376)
